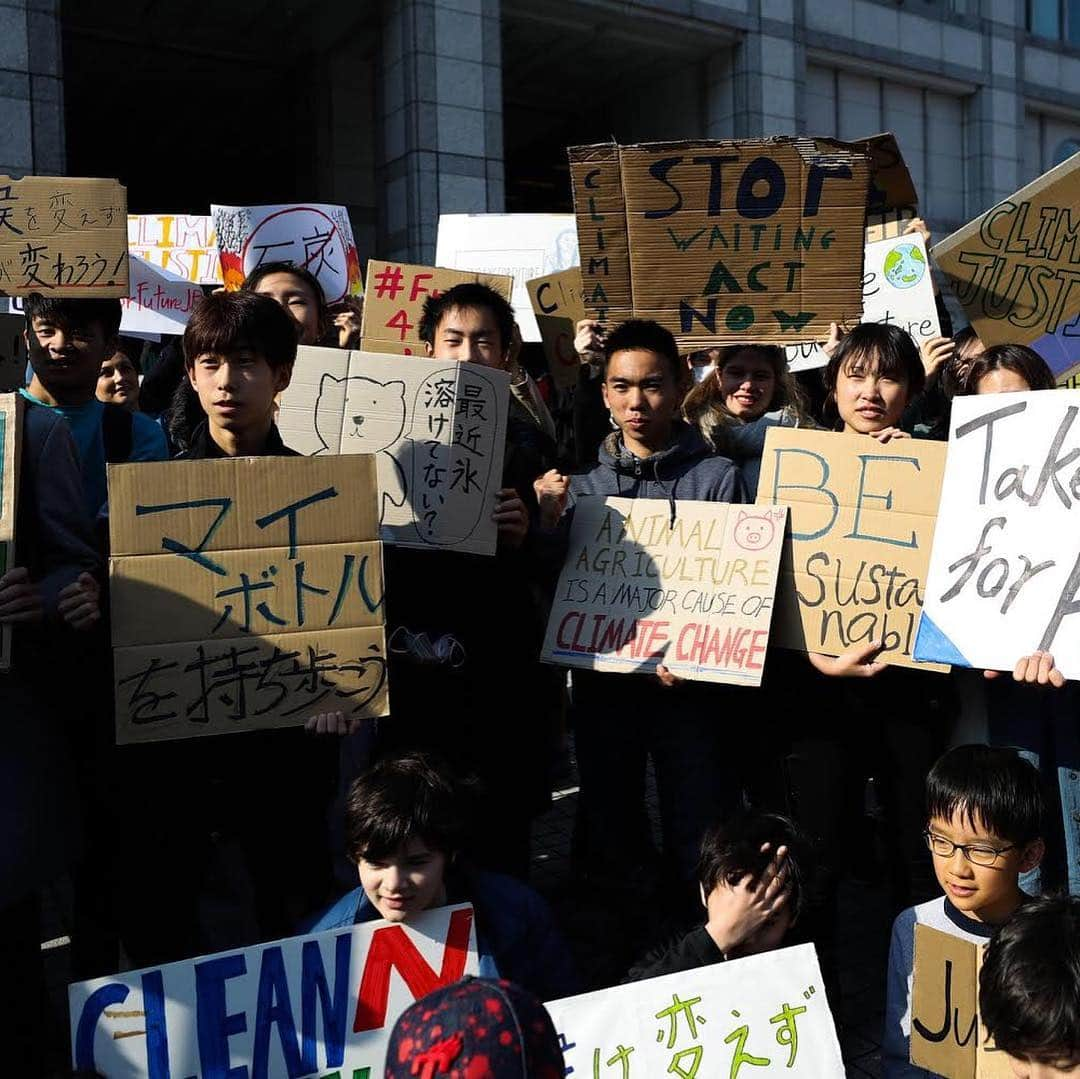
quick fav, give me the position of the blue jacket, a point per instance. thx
(516, 936)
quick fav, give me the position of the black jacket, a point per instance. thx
(685, 951)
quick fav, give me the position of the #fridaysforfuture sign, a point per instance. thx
(437, 430)
(898, 289)
(721, 242)
(246, 593)
(11, 411)
(766, 1015)
(315, 236)
(394, 302)
(159, 301)
(556, 303)
(862, 522)
(183, 245)
(524, 246)
(1005, 571)
(639, 589)
(63, 236)
(317, 1005)
(947, 1036)
(1016, 268)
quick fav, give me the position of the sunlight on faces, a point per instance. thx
(299, 302)
(406, 882)
(468, 335)
(67, 357)
(237, 389)
(1002, 380)
(118, 381)
(747, 384)
(1031, 1069)
(866, 400)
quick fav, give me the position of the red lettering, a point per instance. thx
(560, 639)
(612, 639)
(757, 647)
(417, 288)
(401, 322)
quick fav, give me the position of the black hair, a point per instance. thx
(990, 786)
(639, 333)
(1029, 985)
(468, 294)
(301, 273)
(132, 348)
(107, 313)
(732, 849)
(1019, 359)
(895, 353)
(223, 321)
(409, 797)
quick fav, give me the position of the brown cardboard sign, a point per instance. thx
(63, 236)
(891, 185)
(556, 302)
(947, 1036)
(394, 302)
(862, 525)
(11, 411)
(694, 593)
(1016, 268)
(751, 240)
(246, 593)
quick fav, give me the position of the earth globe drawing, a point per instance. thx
(905, 266)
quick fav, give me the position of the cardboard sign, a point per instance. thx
(160, 302)
(891, 186)
(694, 594)
(766, 1015)
(862, 523)
(11, 411)
(246, 593)
(1014, 268)
(437, 430)
(314, 236)
(183, 245)
(1005, 571)
(897, 288)
(947, 1036)
(556, 302)
(63, 236)
(523, 246)
(394, 302)
(722, 242)
(315, 1005)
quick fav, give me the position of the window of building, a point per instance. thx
(1048, 140)
(1057, 19)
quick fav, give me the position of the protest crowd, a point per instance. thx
(783, 764)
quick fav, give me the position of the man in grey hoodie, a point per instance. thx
(621, 720)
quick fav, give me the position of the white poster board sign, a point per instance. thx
(521, 245)
(1004, 575)
(182, 244)
(897, 288)
(159, 301)
(766, 1015)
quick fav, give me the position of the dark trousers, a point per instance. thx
(22, 987)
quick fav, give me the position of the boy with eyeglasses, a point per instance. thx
(984, 808)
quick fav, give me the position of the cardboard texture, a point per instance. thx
(854, 565)
(947, 1036)
(437, 430)
(898, 288)
(11, 412)
(313, 1005)
(1005, 570)
(183, 245)
(246, 594)
(638, 590)
(315, 236)
(394, 302)
(1014, 268)
(891, 187)
(524, 246)
(556, 303)
(753, 240)
(63, 236)
(767, 1011)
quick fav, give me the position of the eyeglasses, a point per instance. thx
(973, 852)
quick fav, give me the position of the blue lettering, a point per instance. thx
(887, 498)
(821, 487)
(215, 1025)
(274, 1007)
(315, 993)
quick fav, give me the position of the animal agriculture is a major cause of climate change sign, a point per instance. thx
(1005, 571)
(722, 242)
(689, 587)
(318, 1006)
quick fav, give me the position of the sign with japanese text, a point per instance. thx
(394, 302)
(523, 246)
(693, 592)
(63, 236)
(1014, 268)
(437, 431)
(183, 245)
(556, 303)
(246, 593)
(11, 410)
(767, 1014)
(947, 1035)
(317, 237)
(317, 1005)
(1005, 571)
(721, 242)
(862, 523)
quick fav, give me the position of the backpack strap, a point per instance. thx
(117, 434)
